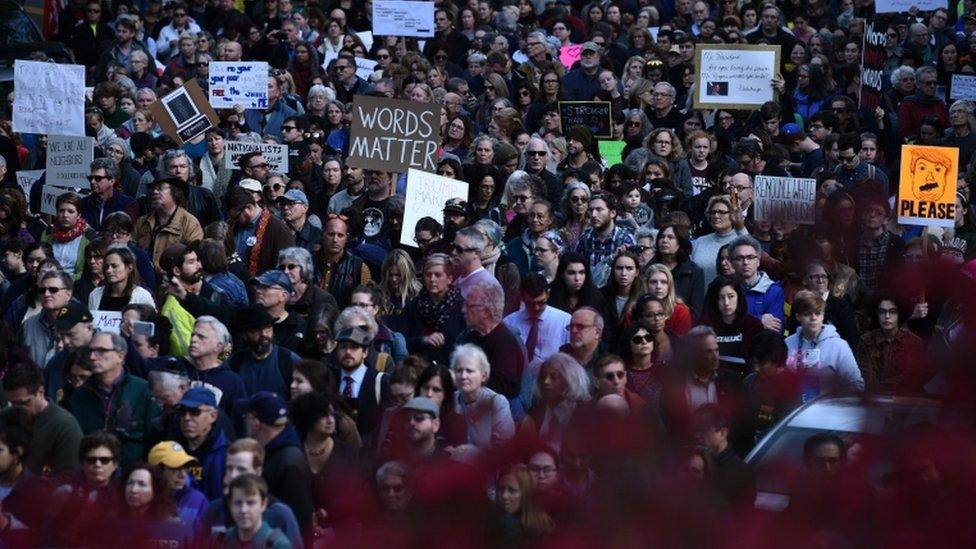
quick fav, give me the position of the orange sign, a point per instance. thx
(927, 188)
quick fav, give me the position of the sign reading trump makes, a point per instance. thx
(787, 199)
(392, 135)
(426, 195)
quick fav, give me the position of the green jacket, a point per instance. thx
(127, 414)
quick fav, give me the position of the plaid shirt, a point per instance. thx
(870, 261)
(597, 250)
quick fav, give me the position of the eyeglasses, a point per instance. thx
(194, 412)
(459, 250)
(578, 199)
(887, 312)
(289, 128)
(718, 213)
(847, 158)
(263, 165)
(578, 327)
(97, 178)
(521, 198)
(440, 58)
(611, 376)
(49, 289)
(203, 64)
(394, 488)
(542, 469)
(535, 153)
(289, 266)
(655, 316)
(634, 124)
(273, 187)
(100, 351)
(745, 258)
(839, 109)
(102, 460)
(818, 277)
(383, 56)
(343, 67)
(638, 339)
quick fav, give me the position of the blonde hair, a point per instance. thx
(671, 300)
(410, 286)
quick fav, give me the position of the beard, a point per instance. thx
(191, 278)
(260, 347)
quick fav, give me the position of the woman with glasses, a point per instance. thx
(891, 357)
(664, 143)
(121, 283)
(458, 134)
(88, 491)
(727, 313)
(644, 373)
(548, 248)
(726, 223)
(574, 210)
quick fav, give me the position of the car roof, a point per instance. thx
(865, 413)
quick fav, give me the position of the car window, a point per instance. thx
(16, 27)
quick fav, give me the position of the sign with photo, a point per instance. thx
(238, 83)
(400, 18)
(184, 113)
(734, 76)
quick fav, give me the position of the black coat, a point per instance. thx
(288, 476)
(689, 285)
(367, 406)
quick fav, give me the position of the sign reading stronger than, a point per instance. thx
(392, 135)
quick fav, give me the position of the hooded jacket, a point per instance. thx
(208, 475)
(765, 296)
(828, 363)
(288, 476)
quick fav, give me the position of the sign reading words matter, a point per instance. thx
(393, 135)
(68, 161)
(592, 114)
(734, 75)
(237, 83)
(49, 98)
(927, 188)
(275, 155)
(426, 195)
(788, 199)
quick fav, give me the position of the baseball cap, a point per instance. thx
(354, 334)
(71, 315)
(589, 46)
(171, 454)
(456, 206)
(267, 407)
(274, 277)
(252, 185)
(196, 397)
(423, 404)
(294, 195)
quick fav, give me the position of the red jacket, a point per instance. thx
(911, 111)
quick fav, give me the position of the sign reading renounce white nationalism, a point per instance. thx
(426, 195)
(393, 135)
(68, 161)
(398, 18)
(788, 199)
(275, 155)
(238, 83)
(49, 98)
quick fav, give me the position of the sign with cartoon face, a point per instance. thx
(927, 188)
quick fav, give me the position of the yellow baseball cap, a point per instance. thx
(171, 454)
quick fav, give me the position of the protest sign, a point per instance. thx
(426, 195)
(895, 6)
(592, 114)
(185, 113)
(393, 135)
(737, 76)
(49, 98)
(786, 199)
(963, 87)
(570, 54)
(49, 197)
(398, 18)
(68, 161)
(107, 321)
(238, 83)
(611, 151)
(365, 67)
(927, 188)
(873, 59)
(27, 178)
(367, 38)
(275, 155)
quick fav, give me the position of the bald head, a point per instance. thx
(233, 51)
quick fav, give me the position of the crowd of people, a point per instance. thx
(581, 351)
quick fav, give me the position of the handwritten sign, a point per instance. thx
(393, 135)
(69, 160)
(398, 18)
(570, 54)
(275, 155)
(592, 114)
(107, 321)
(27, 178)
(365, 67)
(786, 199)
(426, 195)
(734, 75)
(927, 187)
(873, 59)
(367, 38)
(49, 98)
(895, 6)
(963, 87)
(49, 198)
(233, 83)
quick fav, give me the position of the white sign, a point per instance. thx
(327, 58)
(786, 199)
(894, 6)
(367, 38)
(106, 321)
(27, 178)
(49, 98)
(398, 18)
(49, 198)
(426, 195)
(365, 67)
(275, 155)
(69, 161)
(238, 83)
(736, 75)
(963, 87)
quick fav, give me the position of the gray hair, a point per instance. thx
(922, 71)
(540, 36)
(119, 344)
(168, 380)
(470, 350)
(300, 256)
(505, 21)
(354, 316)
(901, 71)
(965, 105)
(319, 89)
(171, 155)
(391, 468)
(491, 229)
(597, 316)
(576, 378)
(700, 331)
(3, 162)
(644, 232)
(638, 158)
(492, 295)
(474, 237)
(520, 180)
(146, 91)
(575, 186)
(220, 330)
(107, 164)
(478, 57)
(667, 85)
(126, 152)
(139, 54)
(745, 240)
(64, 277)
(523, 157)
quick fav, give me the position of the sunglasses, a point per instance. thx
(103, 460)
(535, 153)
(459, 250)
(274, 187)
(97, 178)
(202, 64)
(637, 339)
(578, 199)
(49, 289)
(289, 128)
(194, 412)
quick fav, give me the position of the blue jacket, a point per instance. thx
(765, 296)
(95, 211)
(268, 123)
(190, 505)
(208, 474)
(216, 520)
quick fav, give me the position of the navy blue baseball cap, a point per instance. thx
(196, 397)
(269, 408)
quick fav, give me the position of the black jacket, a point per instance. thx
(689, 285)
(734, 480)
(366, 407)
(288, 476)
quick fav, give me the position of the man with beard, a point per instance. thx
(581, 83)
(423, 422)
(261, 364)
(374, 205)
(354, 181)
(294, 212)
(273, 290)
(579, 142)
(183, 279)
(258, 235)
(604, 238)
(361, 387)
(199, 201)
(168, 222)
(455, 219)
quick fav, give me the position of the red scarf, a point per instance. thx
(252, 264)
(61, 236)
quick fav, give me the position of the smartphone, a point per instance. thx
(147, 329)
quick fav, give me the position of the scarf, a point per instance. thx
(436, 315)
(489, 260)
(922, 100)
(61, 236)
(252, 264)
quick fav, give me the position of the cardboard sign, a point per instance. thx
(595, 115)
(786, 199)
(397, 18)
(238, 83)
(895, 6)
(49, 198)
(927, 188)
(426, 195)
(963, 87)
(185, 113)
(49, 98)
(872, 64)
(612, 151)
(393, 135)
(69, 161)
(107, 321)
(275, 155)
(735, 76)
(27, 178)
